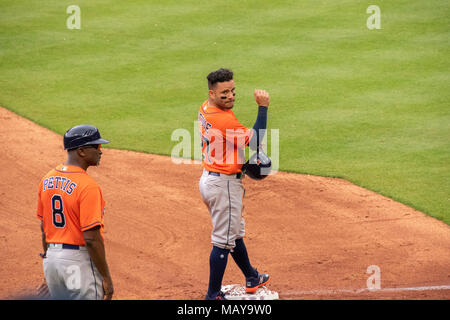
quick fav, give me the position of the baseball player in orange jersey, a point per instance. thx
(224, 140)
(71, 207)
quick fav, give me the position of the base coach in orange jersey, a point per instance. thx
(71, 207)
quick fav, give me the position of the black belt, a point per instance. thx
(66, 246)
(70, 246)
(217, 174)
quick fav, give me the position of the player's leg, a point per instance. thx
(215, 195)
(253, 279)
(239, 252)
(240, 256)
(217, 265)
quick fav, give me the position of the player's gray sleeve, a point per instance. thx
(259, 128)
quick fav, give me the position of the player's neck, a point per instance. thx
(211, 104)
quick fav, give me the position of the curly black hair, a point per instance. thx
(221, 75)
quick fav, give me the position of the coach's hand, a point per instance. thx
(262, 97)
(42, 291)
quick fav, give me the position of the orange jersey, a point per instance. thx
(224, 139)
(69, 203)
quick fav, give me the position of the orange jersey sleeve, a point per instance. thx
(91, 208)
(69, 202)
(224, 140)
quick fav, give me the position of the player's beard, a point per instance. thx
(226, 105)
(229, 105)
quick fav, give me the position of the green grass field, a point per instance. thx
(370, 106)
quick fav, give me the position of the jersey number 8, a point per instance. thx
(59, 220)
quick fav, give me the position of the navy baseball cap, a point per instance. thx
(82, 135)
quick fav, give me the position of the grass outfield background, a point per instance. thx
(370, 106)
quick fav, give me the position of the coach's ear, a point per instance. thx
(81, 153)
(74, 152)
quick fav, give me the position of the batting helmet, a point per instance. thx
(82, 135)
(258, 166)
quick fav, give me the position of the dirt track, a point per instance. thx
(315, 236)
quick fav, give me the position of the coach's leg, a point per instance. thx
(53, 272)
(91, 281)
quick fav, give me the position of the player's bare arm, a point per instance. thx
(96, 249)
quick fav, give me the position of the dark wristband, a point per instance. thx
(262, 110)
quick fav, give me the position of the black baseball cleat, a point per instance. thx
(252, 284)
(219, 296)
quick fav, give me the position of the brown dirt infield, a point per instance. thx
(315, 236)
